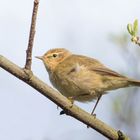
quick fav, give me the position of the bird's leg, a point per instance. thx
(71, 99)
(96, 104)
(99, 97)
(95, 107)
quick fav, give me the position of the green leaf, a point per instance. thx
(130, 29)
(135, 27)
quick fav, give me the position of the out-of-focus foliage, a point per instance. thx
(133, 31)
(133, 28)
(126, 105)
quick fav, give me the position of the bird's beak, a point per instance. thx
(39, 57)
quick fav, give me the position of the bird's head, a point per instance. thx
(53, 57)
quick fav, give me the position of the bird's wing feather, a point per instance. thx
(106, 72)
(93, 65)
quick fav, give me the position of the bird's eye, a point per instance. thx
(54, 55)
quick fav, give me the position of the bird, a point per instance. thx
(82, 78)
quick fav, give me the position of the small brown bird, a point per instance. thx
(82, 78)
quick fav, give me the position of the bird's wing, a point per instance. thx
(86, 73)
(94, 65)
(106, 72)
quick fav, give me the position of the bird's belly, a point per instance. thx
(69, 89)
(77, 94)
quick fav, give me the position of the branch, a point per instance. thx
(72, 110)
(31, 36)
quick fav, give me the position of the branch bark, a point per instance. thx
(28, 77)
(31, 36)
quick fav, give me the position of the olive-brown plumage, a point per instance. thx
(82, 78)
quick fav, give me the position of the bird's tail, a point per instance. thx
(134, 82)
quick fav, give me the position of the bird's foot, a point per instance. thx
(94, 115)
(120, 135)
(71, 99)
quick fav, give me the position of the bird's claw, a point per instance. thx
(71, 99)
(94, 115)
(120, 135)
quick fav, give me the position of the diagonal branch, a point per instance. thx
(31, 36)
(74, 111)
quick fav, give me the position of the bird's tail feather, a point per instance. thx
(134, 82)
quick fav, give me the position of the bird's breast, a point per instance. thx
(74, 82)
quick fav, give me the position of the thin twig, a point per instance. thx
(31, 36)
(74, 111)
